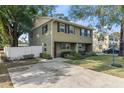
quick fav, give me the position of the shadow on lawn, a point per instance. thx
(103, 67)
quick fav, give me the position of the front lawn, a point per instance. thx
(102, 63)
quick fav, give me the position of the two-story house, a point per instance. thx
(58, 35)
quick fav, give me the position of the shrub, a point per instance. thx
(69, 56)
(65, 53)
(29, 56)
(82, 52)
(75, 56)
(91, 54)
(116, 65)
(45, 56)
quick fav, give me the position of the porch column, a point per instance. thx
(77, 47)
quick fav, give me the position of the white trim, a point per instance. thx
(52, 39)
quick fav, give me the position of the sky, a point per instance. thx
(63, 9)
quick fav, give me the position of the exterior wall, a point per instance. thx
(65, 37)
(18, 52)
(106, 42)
(39, 21)
(39, 39)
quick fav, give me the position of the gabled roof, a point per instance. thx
(64, 21)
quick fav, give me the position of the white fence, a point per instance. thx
(18, 52)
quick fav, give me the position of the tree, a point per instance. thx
(116, 36)
(61, 16)
(3, 37)
(105, 17)
(19, 19)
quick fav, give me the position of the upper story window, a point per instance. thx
(71, 29)
(85, 32)
(89, 33)
(61, 27)
(44, 29)
(82, 32)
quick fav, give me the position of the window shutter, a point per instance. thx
(80, 32)
(68, 29)
(46, 28)
(58, 27)
(90, 33)
(74, 29)
(42, 30)
(65, 28)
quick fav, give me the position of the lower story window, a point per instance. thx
(45, 49)
(65, 46)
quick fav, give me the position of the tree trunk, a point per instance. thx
(15, 39)
(122, 40)
(15, 35)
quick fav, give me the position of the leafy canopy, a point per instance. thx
(102, 15)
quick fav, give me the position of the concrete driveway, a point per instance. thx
(61, 75)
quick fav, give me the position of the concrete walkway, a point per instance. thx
(61, 75)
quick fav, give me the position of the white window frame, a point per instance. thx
(65, 46)
(71, 29)
(62, 27)
(85, 33)
(45, 29)
(82, 32)
(89, 33)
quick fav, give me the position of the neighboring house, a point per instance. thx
(100, 41)
(57, 35)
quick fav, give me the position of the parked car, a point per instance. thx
(110, 51)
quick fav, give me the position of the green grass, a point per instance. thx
(102, 63)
